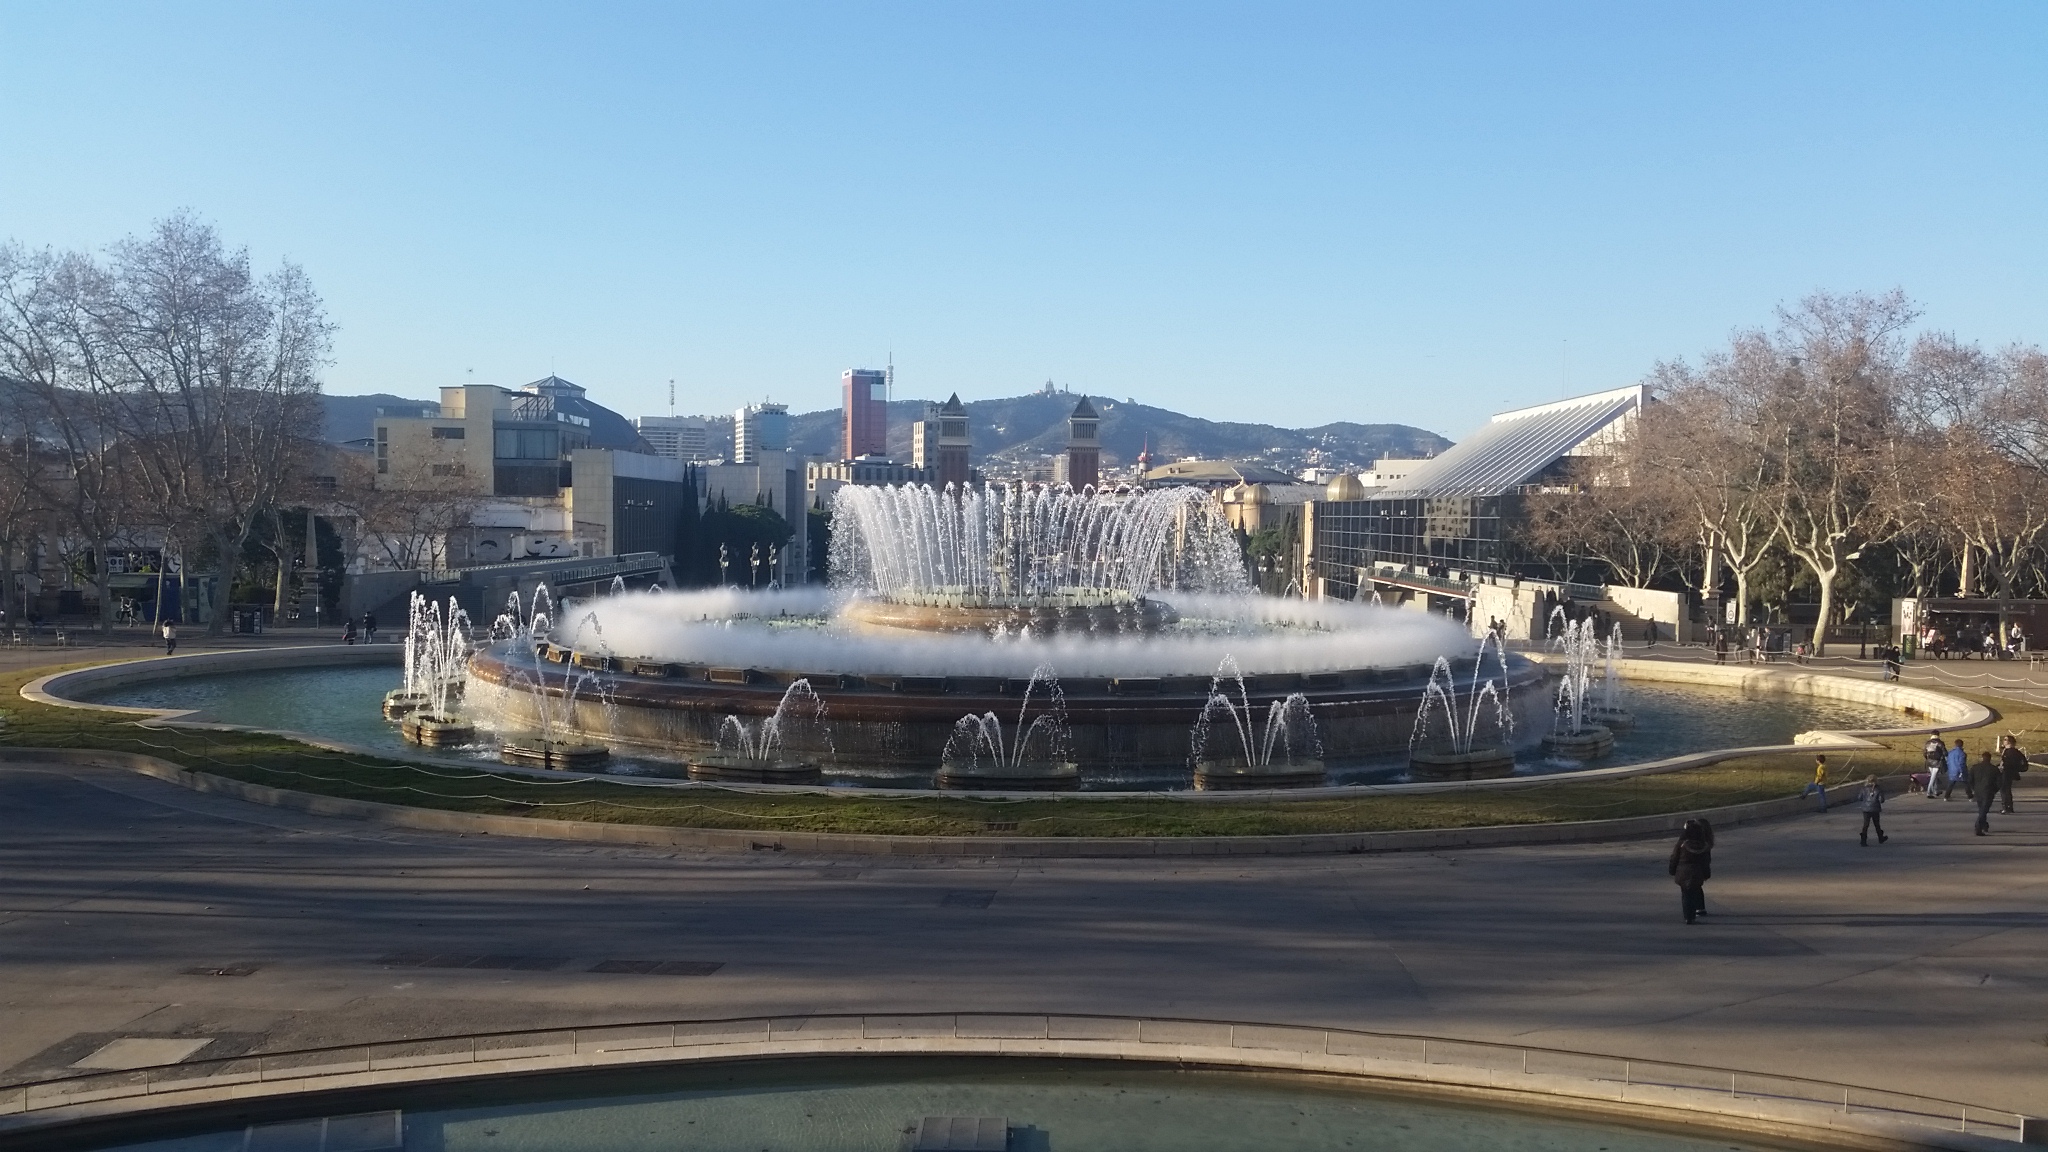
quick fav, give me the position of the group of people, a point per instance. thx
(1991, 641)
(369, 633)
(1985, 781)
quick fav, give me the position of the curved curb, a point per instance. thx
(1952, 712)
(840, 843)
(48, 689)
(1528, 1078)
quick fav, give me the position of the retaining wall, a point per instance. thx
(1542, 1079)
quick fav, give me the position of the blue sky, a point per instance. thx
(1284, 213)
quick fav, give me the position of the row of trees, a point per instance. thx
(1837, 453)
(159, 395)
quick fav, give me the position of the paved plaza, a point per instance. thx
(1916, 966)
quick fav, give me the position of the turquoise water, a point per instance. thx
(877, 1105)
(343, 704)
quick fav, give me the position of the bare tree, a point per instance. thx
(1620, 518)
(1703, 442)
(1834, 411)
(218, 379)
(408, 518)
(73, 461)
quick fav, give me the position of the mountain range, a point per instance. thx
(1018, 432)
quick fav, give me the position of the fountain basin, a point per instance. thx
(749, 770)
(1230, 775)
(1048, 615)
(564, 755)
(1611, 717)
(1023, 776)
(1588, 742)
(1476, 764)
(437, 729)
(402, 702)
(882, 722)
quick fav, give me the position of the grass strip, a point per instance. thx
(284, 763)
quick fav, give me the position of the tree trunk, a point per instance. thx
(1826, 580)
(1741, 598)
(230, 548)
(103, 580)
(1969, 574)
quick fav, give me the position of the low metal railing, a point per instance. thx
(1199, 1042)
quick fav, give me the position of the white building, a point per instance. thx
(759, 428)
(686, 438)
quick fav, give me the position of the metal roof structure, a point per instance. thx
(1514, 447)
(1215, 472)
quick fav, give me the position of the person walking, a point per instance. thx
(2012, 764)
(1935, 753)
(1871, 801)
(369, 627)
(1958, 773)
(1984, 784)
(1820, 781)
(170, 631)
(1720, 646)
(1691, 866)
(348, 632)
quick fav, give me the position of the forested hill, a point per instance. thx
(1024, 429)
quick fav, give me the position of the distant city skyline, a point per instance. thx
(1290, 214)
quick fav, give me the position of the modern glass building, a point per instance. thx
(1458, 515)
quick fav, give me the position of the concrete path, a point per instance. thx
(1921, 965)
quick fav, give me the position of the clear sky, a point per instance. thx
(1284, 213)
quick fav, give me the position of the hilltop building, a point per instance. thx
(864, 413)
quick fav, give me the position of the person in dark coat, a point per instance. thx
(1984, 782)
(2011, 764)
(1691, 866)
(1871, 801)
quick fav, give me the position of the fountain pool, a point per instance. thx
(341, 704)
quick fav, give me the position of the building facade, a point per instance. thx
(823, 479)
(686, 438)
(757, 429)
(864, 413)
(941, 443)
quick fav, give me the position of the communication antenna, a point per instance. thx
(671, 397)
(889, 379)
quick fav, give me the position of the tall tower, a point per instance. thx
(1084, 448)
(954, 444)
(864, 413)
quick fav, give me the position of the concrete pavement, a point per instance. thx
(1916, 966)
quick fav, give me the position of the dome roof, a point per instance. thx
(1345, 486)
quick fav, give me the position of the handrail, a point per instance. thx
(1507, 1066)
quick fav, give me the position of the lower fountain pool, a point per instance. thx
(857, 1105)
(342, 704)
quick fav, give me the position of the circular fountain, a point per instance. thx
(1001, 638)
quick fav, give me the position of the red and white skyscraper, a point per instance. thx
(864, 413)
